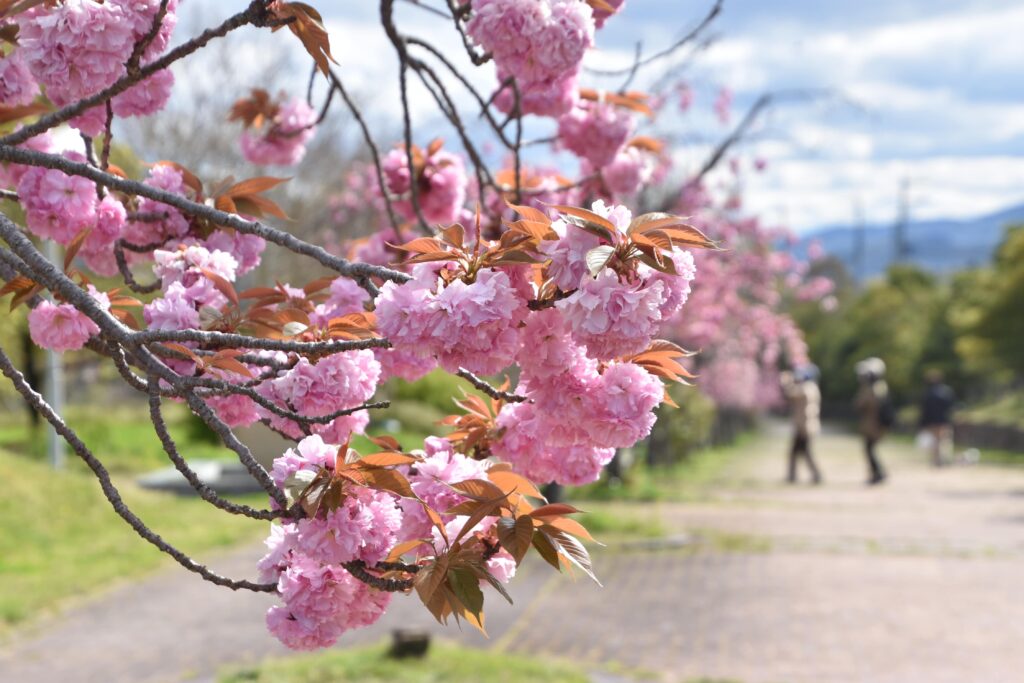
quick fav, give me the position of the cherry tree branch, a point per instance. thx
(749, 119)
(640, 62)
(490, 390)
(204, 491)
(256, 14)
(361, 272)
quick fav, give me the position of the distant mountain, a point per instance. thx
(939, 246)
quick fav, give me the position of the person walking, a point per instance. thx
(937, 417)
(874, 407)
(801, 388)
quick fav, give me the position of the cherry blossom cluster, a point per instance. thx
(440, 179)
(76, 48)
(321, 600)
(584, 397)
(539, 43)
(737, 314)
(282, 140)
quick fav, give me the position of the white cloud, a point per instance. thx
(806, 193)
(939, 91)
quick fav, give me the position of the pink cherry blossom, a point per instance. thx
(17, 86)
(685, 97)
(235, 410)
(246, 249)
(337, 382)
(540, 43)
(568, 255)
(408, 363)
(502, 566)
(602, 15)
(320, 604)
(11, 174)
(283, 141)
(175, 310)
(595, 131)
(76, 49)
(552, 96)
(548, 348)
(62, 327)
(440, 467)
(189, 265)
(627, 396)
(311, 453)
(168, 178)
(364, 527)
(139, 14)
(440, 185)
(98, 249)
(626, 173)
(723, 105)
(676, 287)
(613, 318)
(148, 97)
(57, 206)
(479, 324)
(408, 314)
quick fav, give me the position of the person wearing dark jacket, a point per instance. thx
(937, 417)
(870, 401)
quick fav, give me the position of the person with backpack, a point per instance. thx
(874, 406)
(801, 388)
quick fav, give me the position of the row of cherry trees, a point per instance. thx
(514, 271)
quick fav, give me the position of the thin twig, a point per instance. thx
(494, 393)
(110, 491)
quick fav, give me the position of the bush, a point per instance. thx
(680, 431)
(435, 390)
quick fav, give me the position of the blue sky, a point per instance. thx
(927, 90)
(935, 89)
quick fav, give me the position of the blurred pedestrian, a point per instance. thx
(937, 417)
(875, 409)
(801, 388)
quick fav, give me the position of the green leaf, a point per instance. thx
(466, 586)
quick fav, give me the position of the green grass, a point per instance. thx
(443, 664)
(730, 542)
(994, 456)
(60, 537)
(122, 437)
(1007, 410)
(683, 481)
(609, 521)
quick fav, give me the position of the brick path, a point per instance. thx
(920, 580)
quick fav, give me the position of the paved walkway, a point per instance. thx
(919, 580)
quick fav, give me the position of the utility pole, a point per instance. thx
(859, 241)
(901, 246)
(54, 387)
